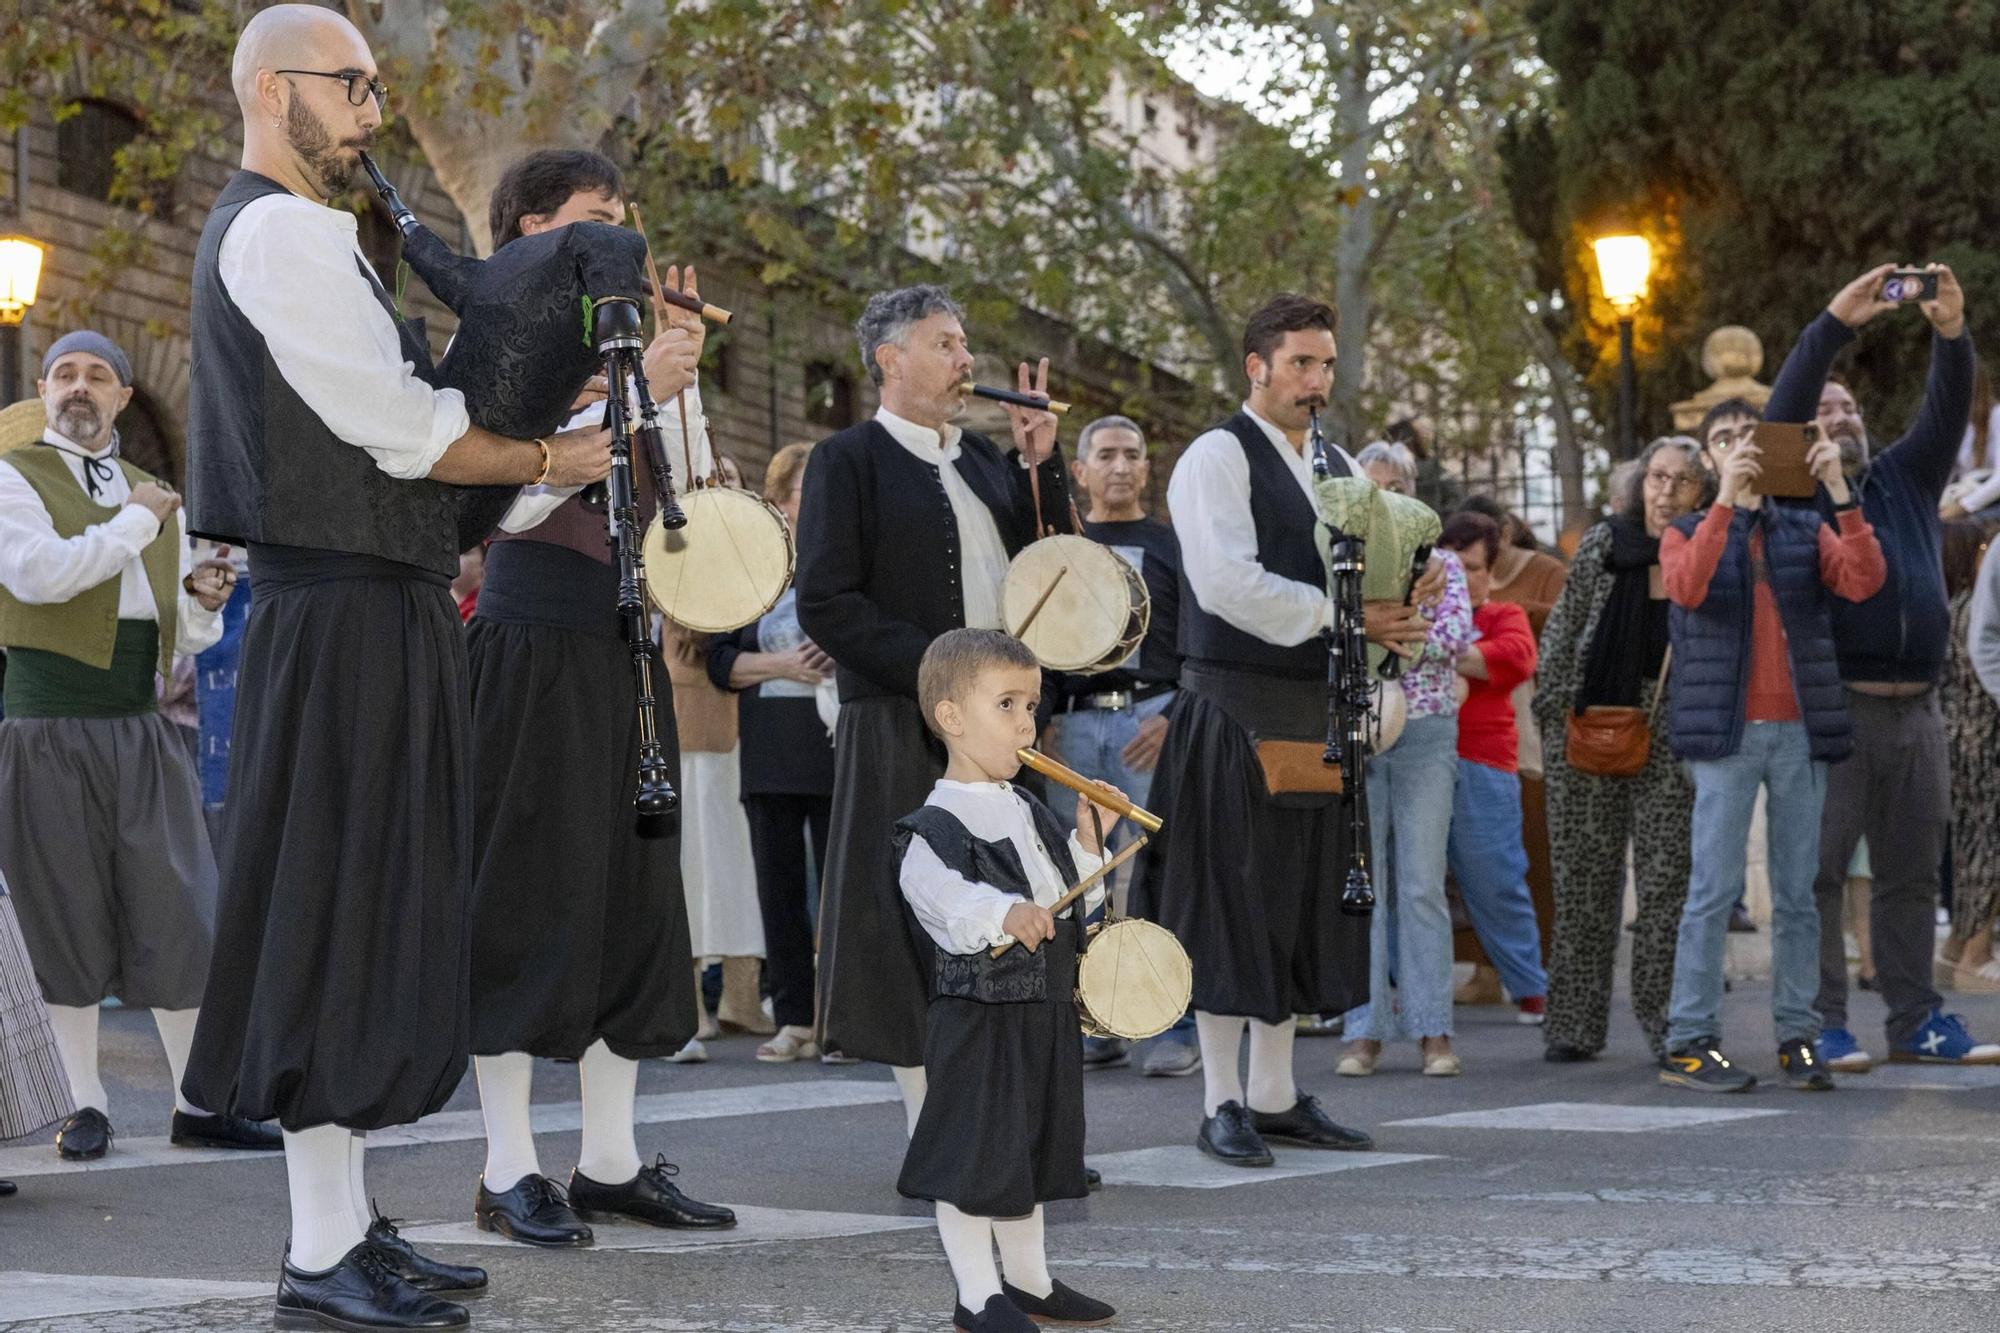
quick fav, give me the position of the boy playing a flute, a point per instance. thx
(981, 864)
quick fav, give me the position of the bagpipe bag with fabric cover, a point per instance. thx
(524, 347)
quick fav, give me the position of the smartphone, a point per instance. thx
(1782, 446)
(1910, 284)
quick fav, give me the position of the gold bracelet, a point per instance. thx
(543, 475)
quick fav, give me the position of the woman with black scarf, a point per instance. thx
(1604, 644)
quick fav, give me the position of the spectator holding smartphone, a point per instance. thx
(1891, 649)
(1760, 573)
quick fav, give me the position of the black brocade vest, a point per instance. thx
(262, 467)
(1017, 976)
(1285, 521)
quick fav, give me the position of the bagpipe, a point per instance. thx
(1377, 545)
(537, 320)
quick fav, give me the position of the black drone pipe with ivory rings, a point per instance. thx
(1033, 400)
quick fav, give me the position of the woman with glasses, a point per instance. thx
(1605, 643)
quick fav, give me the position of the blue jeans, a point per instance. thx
(1778, 756)
(1491, 867)
(1409, 939)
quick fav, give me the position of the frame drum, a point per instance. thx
(1133, 981)
(1392, 710)
(728, 566)
(1078, 605)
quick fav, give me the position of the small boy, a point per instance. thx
(1001, 1130)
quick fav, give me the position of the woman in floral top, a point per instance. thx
(1410, 789)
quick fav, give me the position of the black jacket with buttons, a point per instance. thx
(880, 567)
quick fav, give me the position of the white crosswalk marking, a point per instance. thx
(60, 1295)
(1189, 1168)
(1588, 1117)
(754, 1226)
(459, 1126)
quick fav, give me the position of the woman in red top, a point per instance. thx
(1485, 851)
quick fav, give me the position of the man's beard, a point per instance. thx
(1853, 452)
(79, 421)
(313, 142)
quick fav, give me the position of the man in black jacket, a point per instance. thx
(907, 525)
(1896, 789)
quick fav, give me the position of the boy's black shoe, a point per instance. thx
(1063, 1305)
(1705, 1069)
(1000, 1316)
(1562, 1053)
(1802, 1067)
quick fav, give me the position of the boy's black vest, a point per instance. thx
(1711, 672)
(1017, 976)
(262, 466)
(1286, 522)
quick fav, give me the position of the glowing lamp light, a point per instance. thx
(20, 275)
(1623, 264)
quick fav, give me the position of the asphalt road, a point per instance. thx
(1552, 1198)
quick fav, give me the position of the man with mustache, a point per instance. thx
(345, 859)
(1896, 788)
(1250, 877)
(101, 832)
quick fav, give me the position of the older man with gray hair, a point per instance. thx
(906, 528)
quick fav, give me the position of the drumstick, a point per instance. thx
(1083, 886)
(1041, 602)
(659, 291)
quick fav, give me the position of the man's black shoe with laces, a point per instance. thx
(648, 1197)
(535, 1211)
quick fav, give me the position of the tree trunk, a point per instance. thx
(1356, 240)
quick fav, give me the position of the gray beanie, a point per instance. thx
(93, 342)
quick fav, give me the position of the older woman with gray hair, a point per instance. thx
(1606, 643)
(906, 526)
(1391, 466)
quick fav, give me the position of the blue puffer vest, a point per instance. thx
(1711, 672)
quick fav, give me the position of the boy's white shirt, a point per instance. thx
(962, 916)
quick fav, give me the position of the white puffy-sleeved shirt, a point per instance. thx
(41, 568)
(295, 270)
(538, 502)
(961, 916)
(1209, 497)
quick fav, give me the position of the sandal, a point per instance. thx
(1358, 1060)
(791, 1043)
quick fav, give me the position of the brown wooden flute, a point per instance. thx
(1034, 400)
(1096, 791)
(714, 314)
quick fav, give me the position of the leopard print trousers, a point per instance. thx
(1591, 821)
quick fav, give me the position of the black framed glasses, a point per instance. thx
(359, 85)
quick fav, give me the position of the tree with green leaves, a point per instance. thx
(1770, 153)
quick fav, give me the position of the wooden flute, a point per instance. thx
(1096, 791)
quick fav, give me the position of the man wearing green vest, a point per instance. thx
(101, 833)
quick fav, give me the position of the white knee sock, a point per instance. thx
(76, 1042)
(610, 1152)
(968, 1247)
(1023, 1254)
(1271, 1085)
(1221, 1038)
(506, 1083)
(357, 1179)
(177, 1036)
(323, 1223)
(910, 1081)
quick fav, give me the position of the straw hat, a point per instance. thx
(23, 423)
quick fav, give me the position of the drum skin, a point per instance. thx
(1097, 607)
(1133, 981)
(728, 566)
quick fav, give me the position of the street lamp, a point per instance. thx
(1623, 263)
(20, 277)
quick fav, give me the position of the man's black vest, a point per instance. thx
(1016, 976)
(262, 467)
(1285, 521)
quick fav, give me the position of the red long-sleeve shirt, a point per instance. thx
(1850, 565)
(1487, 733)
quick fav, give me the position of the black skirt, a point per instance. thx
(1002, 1124)
(580, 925)
(342, 944)
(873, 980)
(1250, 887)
